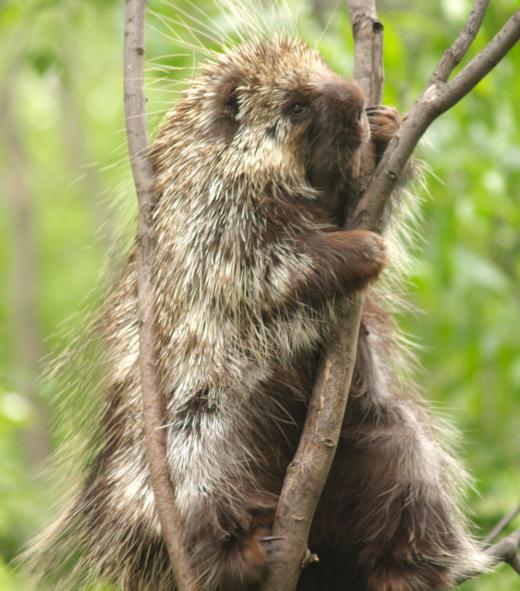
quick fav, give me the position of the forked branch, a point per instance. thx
(500, 526)
(438, 96)
(153, 401)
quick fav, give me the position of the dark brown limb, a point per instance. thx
(153, 402)
(309, 469)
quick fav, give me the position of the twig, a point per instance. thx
(153, 402)
(500, 526)
(505, 550)
(309, 469)
(460, 46)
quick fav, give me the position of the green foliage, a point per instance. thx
(62, 63)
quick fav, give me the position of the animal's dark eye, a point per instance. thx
(232, 103)
(297, 108)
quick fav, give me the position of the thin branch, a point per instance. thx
(153, 402)
(500, 526)
(310, 467)
(505, 550)
(368, 48)
(460, 46)
(482, 64)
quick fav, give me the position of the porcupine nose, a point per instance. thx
(339, 128)
(344, 99)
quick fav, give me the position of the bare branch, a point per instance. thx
(500, 526)
(368, 38)
(505, 550)
(481, 65)
(310, 467)
(153, 402)
(460, 46)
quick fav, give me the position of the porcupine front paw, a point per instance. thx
(366, 256)
(384, 123)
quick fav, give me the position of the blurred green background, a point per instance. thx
(63, 167)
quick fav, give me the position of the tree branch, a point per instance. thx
(153, 401)
(307, 474)
(482, 64)
(460, 46)
(500, 526)
(368, 48)
(505, 550)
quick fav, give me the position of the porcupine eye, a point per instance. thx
(232, 103)
(296, 110)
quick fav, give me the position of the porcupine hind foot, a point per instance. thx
(244, 562)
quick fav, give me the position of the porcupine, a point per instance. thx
(255, 168)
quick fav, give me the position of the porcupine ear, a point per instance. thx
(227, 105)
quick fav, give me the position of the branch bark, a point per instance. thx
(307, 473)
(436, 98)
(505, 550)
(153, 401)
(500, 526)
